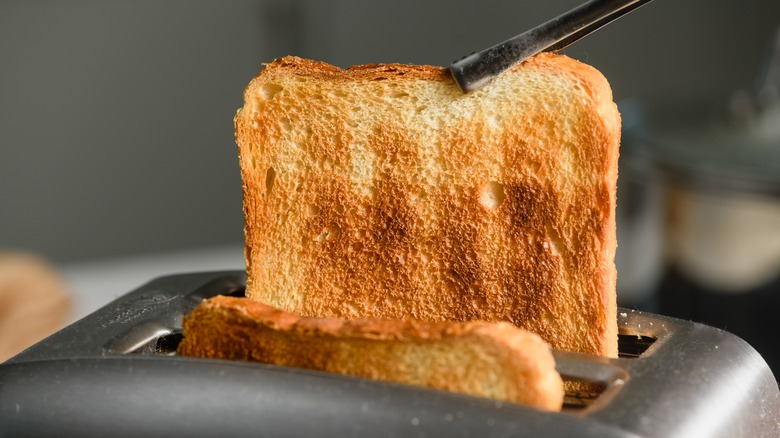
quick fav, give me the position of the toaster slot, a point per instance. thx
(580, 394)
(632, 346)
(166, 345)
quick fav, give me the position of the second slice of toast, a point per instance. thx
(493, 360)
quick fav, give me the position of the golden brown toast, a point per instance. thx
(381, 191)
(493, 360)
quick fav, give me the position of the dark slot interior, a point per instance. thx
(581, 394)
(632, 346)
(238, 292)
(167, 345)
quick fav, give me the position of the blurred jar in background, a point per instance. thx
(641, 228)
(708, 175)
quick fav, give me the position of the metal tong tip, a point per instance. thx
(479, 68)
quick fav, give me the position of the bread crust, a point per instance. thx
(381, 191)
(494, 360)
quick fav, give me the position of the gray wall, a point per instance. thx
(116, 116)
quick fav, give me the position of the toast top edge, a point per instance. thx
(308, 68)
(368, 328)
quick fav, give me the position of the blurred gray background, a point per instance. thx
(117, 159)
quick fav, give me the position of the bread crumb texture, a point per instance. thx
(382, 191)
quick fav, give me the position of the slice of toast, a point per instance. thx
(381, 191)
(493, 360)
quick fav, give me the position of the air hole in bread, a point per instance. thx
(268, 91)
(270, 176)
(554, 241)
(492, 195)
(328, 233)
(352, 307)
(532, 165)
(312, 210)
(360, 234)
(456, 189)
(417, 197)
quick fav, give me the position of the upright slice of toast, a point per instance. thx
(493, 360)
(381, 191)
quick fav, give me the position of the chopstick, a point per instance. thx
(477, 69)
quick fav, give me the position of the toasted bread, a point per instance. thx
(35, 301)
(381, 191)
(493, 360)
